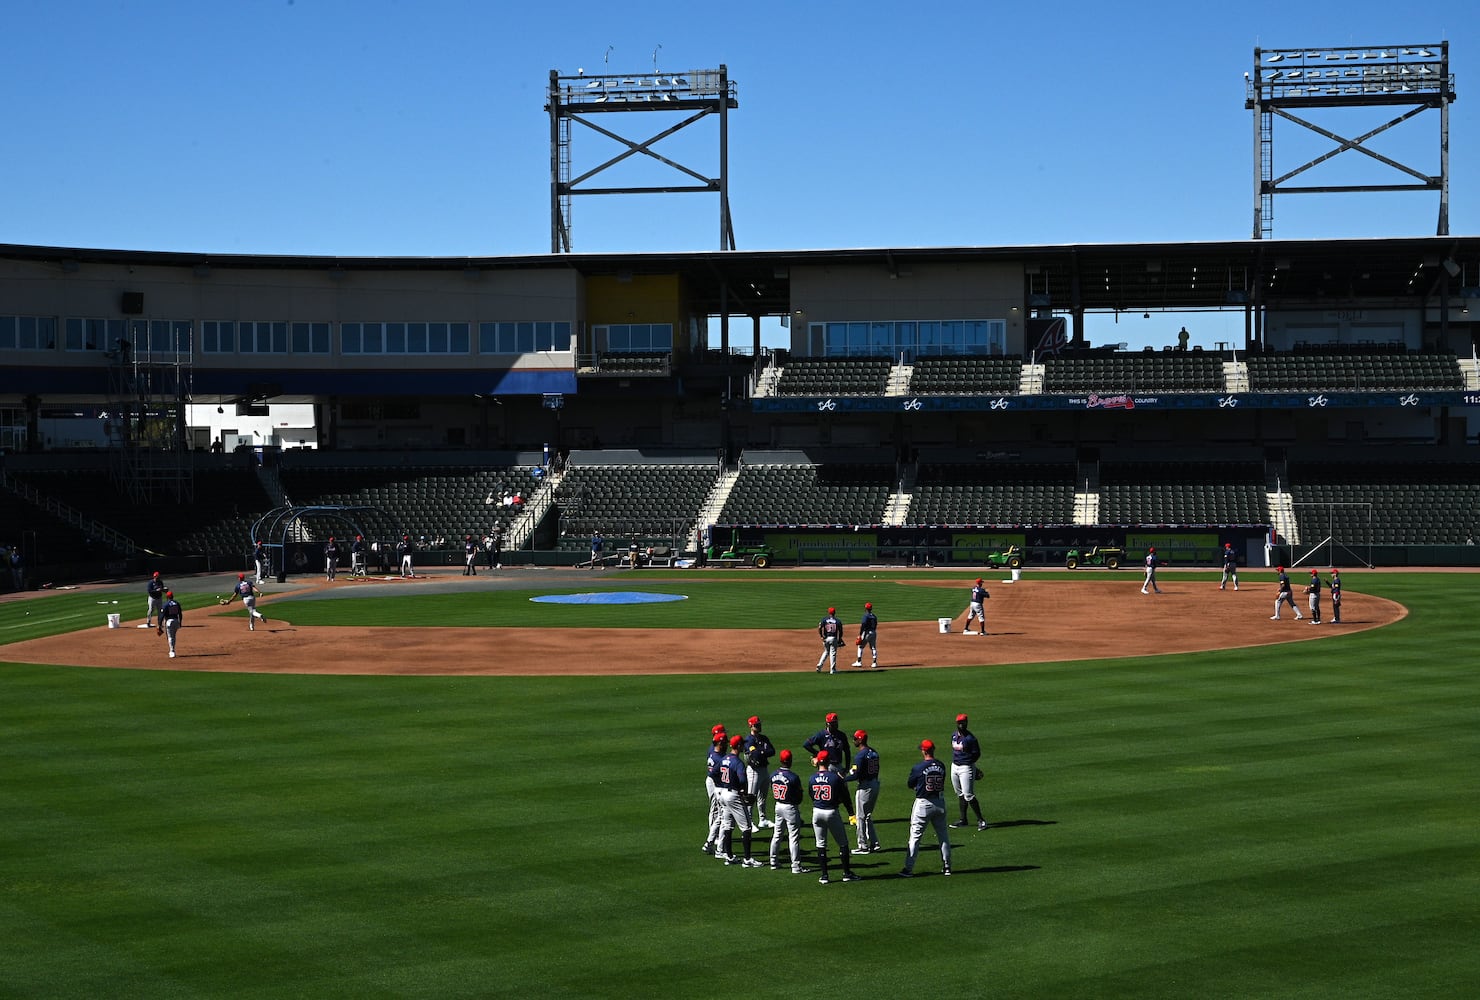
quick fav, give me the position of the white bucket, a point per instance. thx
(114, 619)
(1017, 574)
(945, 625)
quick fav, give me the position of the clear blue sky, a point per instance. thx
(369, 127)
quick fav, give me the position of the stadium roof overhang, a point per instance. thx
(1094, 277)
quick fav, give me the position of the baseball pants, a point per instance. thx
(1315, 607)
(252, 613)
(976, 612)
(1285, 599)
(927, 812)
(788, 825)
(864, 800)
(758, 784)
(825, 822)
(155, 604)
(714, 812)
(733, 812)
(963, 780)
(829, 655)
(170, 628)
(869, 641)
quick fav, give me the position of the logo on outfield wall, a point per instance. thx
(1000, 403)
(1227, 401)
(1409, 400)
(828, 404)
(913, 404)
(1316, 400)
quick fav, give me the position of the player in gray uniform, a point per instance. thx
(331, 559)
(171, 615)
(965, 752)
(1335, 587)
(1285, 596)
(977, 608)
(1151, 564)
(259, 556)
(1313, 591)
(830, 631)
(729, 777)
(470, 556)
(1230, 567)
(155, 589)
(868, 635)
(717, 743)
(248, 594)
(786, 795)
(356, 556)
(865, 771)
(928, 780)
(758, 753)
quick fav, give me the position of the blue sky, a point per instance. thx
(372, 128)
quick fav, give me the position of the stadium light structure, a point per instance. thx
(1287, 84)
(578, 99)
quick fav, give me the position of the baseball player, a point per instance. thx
(155, 589)
(331, 559)
(171, 615)
(729, 778)
(965, 752)
(357, 556)
(406, 549)
(470, 556)
(248, 593)
(829, 794)
(717, 743)
(1284, 596)
(1313, 593)
(976, 610)
(1230, 567)
(1335, 587)
(786, 791)
(865, 771)
(597, 544)
(828, 738)
(928, 779)
(259, 556)
(758, 753)
(868, 635)
(1151, 564)
(830, 631)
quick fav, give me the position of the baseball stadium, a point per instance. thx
(479, 775)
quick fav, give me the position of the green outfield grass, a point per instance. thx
(1289, 821)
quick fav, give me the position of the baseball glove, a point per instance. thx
(222, 603)
(976, 773)
(748, 799)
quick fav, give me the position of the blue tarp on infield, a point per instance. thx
(610, 597)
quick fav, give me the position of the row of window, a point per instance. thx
(151, 337)
(891, 338)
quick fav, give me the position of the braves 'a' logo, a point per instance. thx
(1227, 401)
(1000, 403)
(1409, 400)
(913, 404)
(828, 404)
(1316, 400)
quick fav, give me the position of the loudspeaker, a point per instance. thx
(132, 304)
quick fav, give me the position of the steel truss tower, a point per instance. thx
(1289, 83)
(576, 99)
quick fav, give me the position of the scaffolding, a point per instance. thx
(150, 379)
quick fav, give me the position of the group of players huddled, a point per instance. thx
(745, 794)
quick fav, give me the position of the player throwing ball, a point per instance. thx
(248, 593)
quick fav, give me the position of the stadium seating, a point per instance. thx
(1182, 493)
(843, 493)
(836, 377)
(1167, 371)
(1389, 503)
(988, 376)
(655, 504)
(1353, 372)
(995, 493)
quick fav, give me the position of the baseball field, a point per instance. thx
(447, 790)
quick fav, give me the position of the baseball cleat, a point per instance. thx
(981, 824)
(824, 880)
(1274, 618)
(906, 874)
(957, 826)
(707, 847)
(172, 654)
(752, 863)
(850, 877)
(774, 866)
(946, 870)
(797, 869)
(860, 849)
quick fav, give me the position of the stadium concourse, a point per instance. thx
(1031, 621)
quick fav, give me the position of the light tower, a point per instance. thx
(577, 99)
(1290, 83)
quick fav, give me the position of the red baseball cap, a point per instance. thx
(868, 605)
(831, 717)
(156, 572)
(822, 756)
(961, 717)
(1151, 548)
(719, 728)
(786, 756)
(832, 611)
(736, 740)
(927, 744)
(860, 735)
(978, 579)
(754, 720)
(169, 593)
(1279, 569)
(239, 576)
(1314, 573)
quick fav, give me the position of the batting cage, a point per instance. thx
(295, 536)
